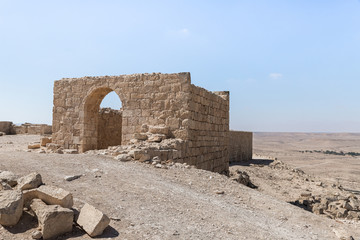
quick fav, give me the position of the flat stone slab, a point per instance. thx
(92, 220)
(50, 195)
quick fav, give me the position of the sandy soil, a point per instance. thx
(149, 203)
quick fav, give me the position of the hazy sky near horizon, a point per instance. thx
(289, 65)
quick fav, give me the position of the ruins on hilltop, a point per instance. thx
(154, 107)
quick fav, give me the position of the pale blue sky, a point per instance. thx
(289, 65)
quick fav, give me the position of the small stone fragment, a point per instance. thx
(11, 207)
(36, 234)
(53, 219)
(73, 177)
(92, 220)
(33, 180)
(44, 141)
(70, 151)
(8, 177)
(34, 145)
(123, 157)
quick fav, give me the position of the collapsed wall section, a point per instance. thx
(240, 146)
(208, 129)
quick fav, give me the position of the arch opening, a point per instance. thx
(102, 120)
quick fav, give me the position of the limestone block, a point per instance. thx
(53, 219)
(11, 207)
(50, 195)
(159, 130)
(92, 220)
(52, 146)
(140, 136)
(70, 151)
(156, 137)
(123, 157)
(44, 141)
(8, 177)
(34, 145)
(33, 180)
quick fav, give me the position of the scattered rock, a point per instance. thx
(219, 192)
(44, 141)
(33, 180)
(36, 234)
(2, 134)
(92, 220)
(70, 151)
(243, 178)
(11, 207)
(34, 145)
(123, 157)
(159, 130)
(50, 195)
(73, 177)
(53, 219)
(8, 177)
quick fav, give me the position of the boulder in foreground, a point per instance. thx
(92, 220)
(11, 207)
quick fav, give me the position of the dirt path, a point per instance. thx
(149, 203)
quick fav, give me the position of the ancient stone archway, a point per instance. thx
(101, 127)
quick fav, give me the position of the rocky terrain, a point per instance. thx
(180, 202)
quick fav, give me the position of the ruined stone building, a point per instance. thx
(197, 116)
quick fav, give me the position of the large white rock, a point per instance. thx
(11, 207)
(33, 180)
(50, 195)
(8, 177)
(92, 220)
(53, 219)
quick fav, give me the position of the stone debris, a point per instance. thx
(70, 151)
(44, 141)
(2, 134)
(333, 206)
(11, 207)
(123, 157)
(33, 180)
(92, 220)
(51, 205)
(243, 178)
(50, 195)
(9, 178)
(53, 219)
(52, 147)
(73, 177)
(34, 146)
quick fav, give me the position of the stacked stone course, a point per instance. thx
(198, 117)
(240, 146)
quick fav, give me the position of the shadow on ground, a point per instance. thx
(253, 162)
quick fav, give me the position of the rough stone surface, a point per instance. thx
(34, 145)
(8, 177)
(11, 207)
(165, 104)
(33, 180)
(53, 219)
(92, 220)
(6, 127)
(240, 146)
(44, 141)
(50, 195)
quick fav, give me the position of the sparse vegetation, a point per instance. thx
(341, 153)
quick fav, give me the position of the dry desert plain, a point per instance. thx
(144, 202)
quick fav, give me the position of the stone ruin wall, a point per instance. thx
(197, 116)
(240, 146)
(27, 128)
(152, 99)
(109, 128)
(208, 129)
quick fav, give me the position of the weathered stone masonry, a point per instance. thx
(195, 115)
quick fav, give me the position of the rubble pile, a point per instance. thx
(334, 207)
(242, 177)
(52, 206)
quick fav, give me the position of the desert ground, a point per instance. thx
(145, 202)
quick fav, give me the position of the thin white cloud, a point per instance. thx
(184, 32)
(275, 76)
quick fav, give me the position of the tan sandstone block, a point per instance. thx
(33, 180)
(50, 195)
(92, 220)
(53, 219)
(34, 145)
(11, 207)
(44, 141)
